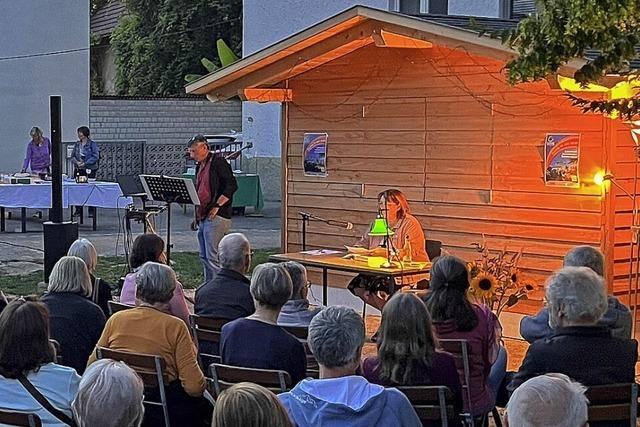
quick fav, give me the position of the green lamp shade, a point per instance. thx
(380, 228)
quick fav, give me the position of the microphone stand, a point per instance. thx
(306, 216)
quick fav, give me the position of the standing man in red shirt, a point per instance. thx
(215, 185)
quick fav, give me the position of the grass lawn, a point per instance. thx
(186, 264)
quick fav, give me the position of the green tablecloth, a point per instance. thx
(249, 191)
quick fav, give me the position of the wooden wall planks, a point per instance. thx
(465, 147)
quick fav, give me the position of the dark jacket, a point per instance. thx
(222, 182)
(226, 296)
(617, 318)
(587, 354)
(76, 323)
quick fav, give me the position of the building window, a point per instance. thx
(415, 7)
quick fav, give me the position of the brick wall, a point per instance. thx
(160, 120)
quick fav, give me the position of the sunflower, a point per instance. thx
(484, 284)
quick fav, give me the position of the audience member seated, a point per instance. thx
(150, 247)
(340, 397)
(27, 353)
(548, 400)
(150, 329)
(407, 352)
(454, 317)
(76, 322)
(249, 405)
(226, 295)
(100, 289)
(617, 317)
(296, 311)
(578, 346)
(257, 341)
(110, 395)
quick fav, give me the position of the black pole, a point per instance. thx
(58, 236)
(168, 233)
(55, 214)
(304, 231)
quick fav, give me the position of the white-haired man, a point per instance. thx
(340, 397)
(578, 346)
(617, 317)
(548, 400)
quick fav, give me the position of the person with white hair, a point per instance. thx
(101, 290)
(226, 295)
(257, 341)
(340, 397)
(578, 346)
(110, 395)
(76, 322)
(617, 317)
(548, 400)
(297, 311)
(148, 328)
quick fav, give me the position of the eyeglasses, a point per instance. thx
(307, 284)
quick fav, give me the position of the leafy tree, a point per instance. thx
(567, 29)
(160, 41)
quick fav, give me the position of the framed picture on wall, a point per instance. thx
(561, 159)
(314, 154)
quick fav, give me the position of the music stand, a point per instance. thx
(170, 190)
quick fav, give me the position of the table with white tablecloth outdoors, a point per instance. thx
(37, 195)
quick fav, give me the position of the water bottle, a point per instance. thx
(406, 250)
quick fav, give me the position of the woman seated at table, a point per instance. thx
(394, 208)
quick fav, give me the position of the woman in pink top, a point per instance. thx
(454, 317)
(150, 247)
(394, 207)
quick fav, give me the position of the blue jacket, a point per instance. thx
(351, 401)
(297, 312)
(617, 318)
(89, 154)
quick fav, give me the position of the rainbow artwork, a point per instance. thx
(314, 154)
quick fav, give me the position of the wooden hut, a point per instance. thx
(424, 107)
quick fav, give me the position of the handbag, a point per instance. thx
(33, 391)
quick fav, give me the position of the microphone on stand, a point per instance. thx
(344, 224)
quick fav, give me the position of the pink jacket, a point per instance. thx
(177, 304)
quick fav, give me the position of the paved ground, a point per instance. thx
(22, 252)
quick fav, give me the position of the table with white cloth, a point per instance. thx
(38, 196)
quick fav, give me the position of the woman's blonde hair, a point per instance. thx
(70, 274)
(35, 133)
(249, 405)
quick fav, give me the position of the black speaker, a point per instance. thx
(58, 237)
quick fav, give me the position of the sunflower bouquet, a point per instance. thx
(496, 280)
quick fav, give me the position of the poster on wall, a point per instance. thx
(561, 158)
(314, 154)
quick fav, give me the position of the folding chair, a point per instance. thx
(56, 347)
(224, 376)
(115, 307)
(151, 370)
(313, 369)
(207, 332)
(460, 350)
(300, 332)
(22, 419)
(613, 403)
(431, 403)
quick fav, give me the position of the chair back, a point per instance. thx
(56, 347)
(459, 349)
(613, 403)
(151, 370)
(433, 248)
(313, 369)
(300, 332)
(431, 403)
(114, 307)
(207, 330)
(224, 376)
(24, 419)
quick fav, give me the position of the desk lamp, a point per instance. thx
(381, 228)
